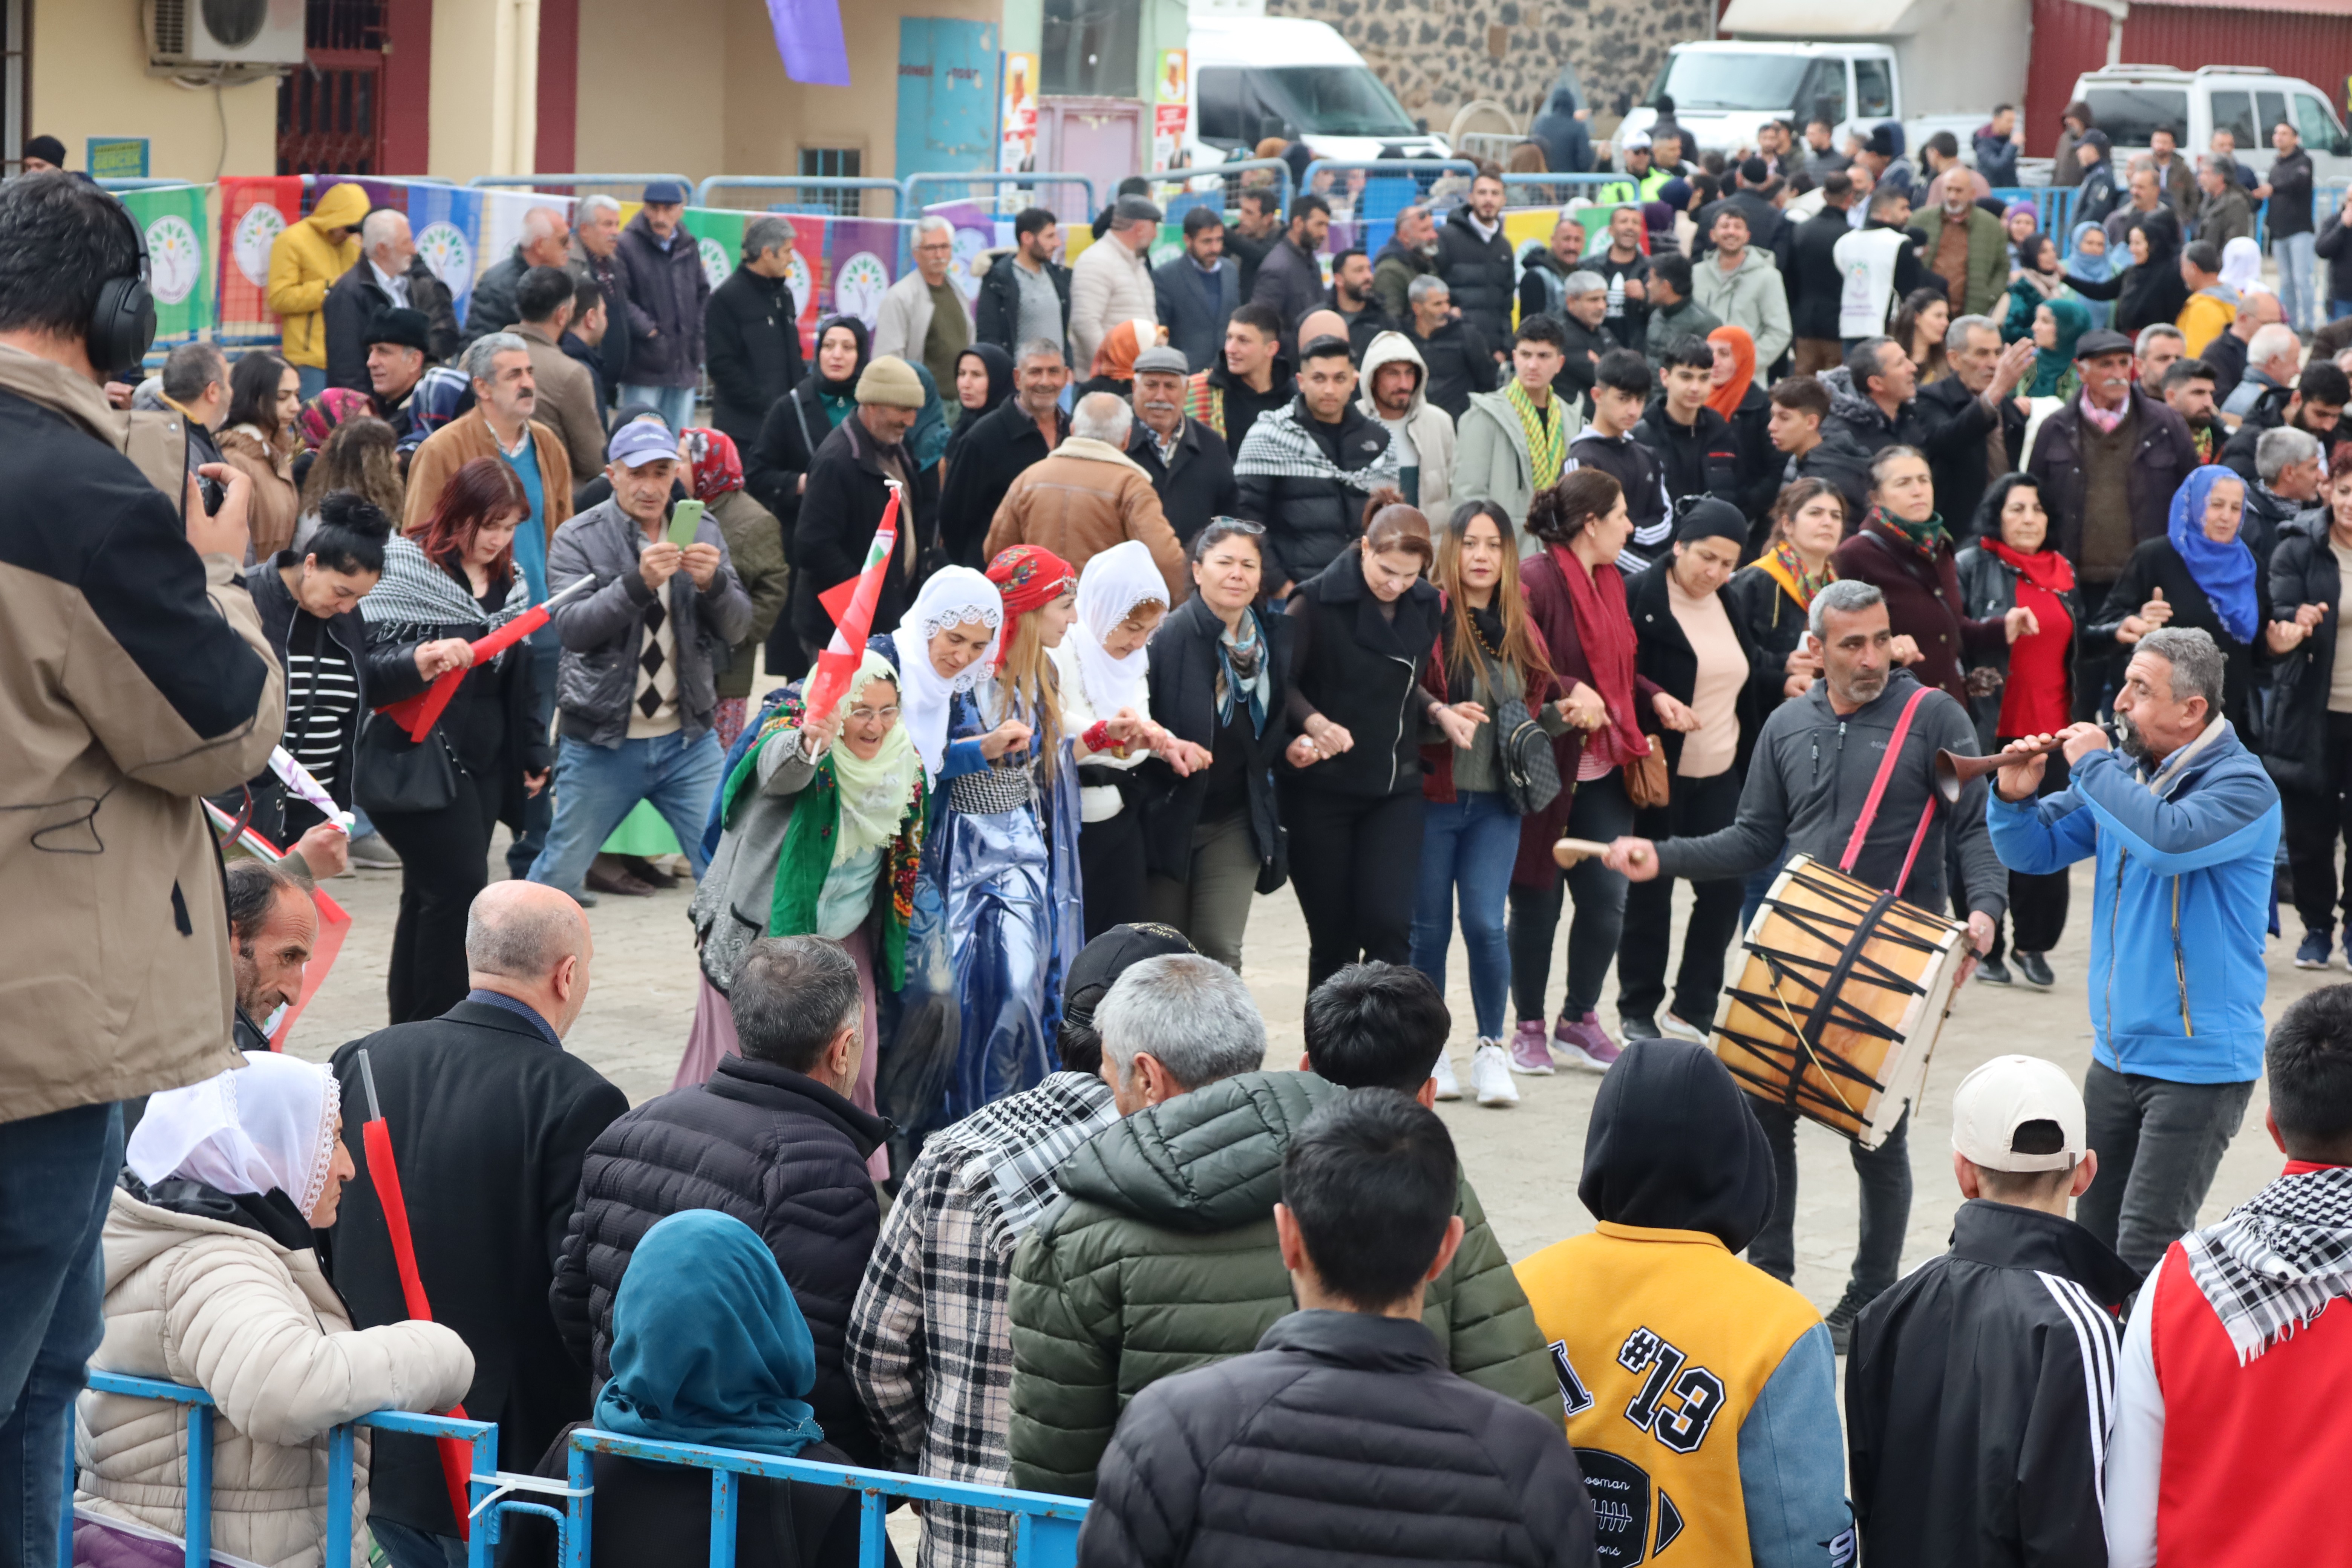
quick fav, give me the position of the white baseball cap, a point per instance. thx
(2004, 1095)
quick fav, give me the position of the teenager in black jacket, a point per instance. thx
(1697, 450)
(1979, 1387)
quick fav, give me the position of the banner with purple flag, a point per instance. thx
(446, 221)
(808, 37)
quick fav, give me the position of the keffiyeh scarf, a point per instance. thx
(1546, 437)
(413, 592)
(1279, 446)
(2274, 1265)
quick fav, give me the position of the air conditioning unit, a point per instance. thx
(184, 34)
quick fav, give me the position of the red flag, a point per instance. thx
(851, 605)
(456, 1458)
(418, 714)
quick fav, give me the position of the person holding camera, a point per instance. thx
(135, 679)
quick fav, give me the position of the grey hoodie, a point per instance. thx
(1750, 296)
(1806, 784)
(1427, 427)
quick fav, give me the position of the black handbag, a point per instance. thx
(392, 773)
(1523, 755)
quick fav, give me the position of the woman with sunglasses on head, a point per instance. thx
(1219, 680)
(1489, 654)
(1362, 631)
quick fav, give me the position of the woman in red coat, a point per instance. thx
(1576, 598)
(1905, 552)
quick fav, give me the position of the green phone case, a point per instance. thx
(685, 518)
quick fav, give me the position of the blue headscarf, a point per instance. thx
(2098, 268)
(709, 1345)
(928, 439)
(2225, 572)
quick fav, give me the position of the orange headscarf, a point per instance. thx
(1125, 340)
(1725, 399)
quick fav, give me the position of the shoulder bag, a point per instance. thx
(1523, 755)
(392, 773)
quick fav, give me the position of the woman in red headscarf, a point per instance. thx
(1004, 847)
(755, 544)
(1732, 392)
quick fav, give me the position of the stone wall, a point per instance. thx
(1438, 54)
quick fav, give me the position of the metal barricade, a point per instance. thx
(913, 183)
(486, 1485)
(1044, 1528)
(2054, 207)
(855, 185)
(1558, 190)
(1226, 193)
(573, 181)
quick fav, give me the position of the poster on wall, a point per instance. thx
(1016, 147)
(1170, 87)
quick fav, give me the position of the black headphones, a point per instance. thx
(122, 322)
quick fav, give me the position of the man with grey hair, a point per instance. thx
(1007, 441)
(1818, 758)
(778, 1138)
(1971, 428)
(595, 259)
(924, 318)
(1162, 1257)
(1191, 469)
(390, 276)
(195, 385)
(751, 329)
(501, 423)
(2184, 823)
(1111, 280)
(2288, 476)
(1089, 495)
(491, 1120)
(2273, 356)
(2155, 350)
(545, 241)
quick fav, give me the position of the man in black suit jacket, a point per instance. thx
(491, 1120)
(773, 1139)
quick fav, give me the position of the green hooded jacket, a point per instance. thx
(1161, 1257)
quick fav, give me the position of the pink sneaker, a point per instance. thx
(1530, 1054)
(1586, 1044)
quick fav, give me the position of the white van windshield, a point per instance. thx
(1709, 81)
(2129, 115)
(1332, 100)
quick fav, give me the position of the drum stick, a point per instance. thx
(1582, 846)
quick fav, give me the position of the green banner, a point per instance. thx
(719, 237)
(180, 266)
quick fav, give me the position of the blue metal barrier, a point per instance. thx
(2054, 207)
(914, 183)
(485, 1484)
(1590, 186)
(535, 181)
(1044, 1528)
(860, 182)
(1423, 172)
(1230, 176)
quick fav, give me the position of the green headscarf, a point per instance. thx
(709, 1345)
(2052, 366)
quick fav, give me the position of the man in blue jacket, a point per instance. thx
(2184, 824)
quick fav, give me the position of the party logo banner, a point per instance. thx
(254, 212)
(179, 265)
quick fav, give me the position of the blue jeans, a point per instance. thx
(676, 403)
(538, 810)
(1468, 843)
(595, 788)
(2297, 263)
(56, 1175)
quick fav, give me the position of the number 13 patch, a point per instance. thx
(1697, 1394)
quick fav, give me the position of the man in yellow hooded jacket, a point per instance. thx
(304, 262)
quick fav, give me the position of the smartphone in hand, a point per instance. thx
(685, 521)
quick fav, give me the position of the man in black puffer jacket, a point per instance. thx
(773, 1139)
(1344, 1436)
(1473, 257)
(1306, 469)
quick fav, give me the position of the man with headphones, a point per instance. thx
(134, 678)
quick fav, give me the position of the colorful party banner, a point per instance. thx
(446, 222)
(860, 263)
(179, 265)
(254, 212)
(1170, 94)
(502, 219)
(1016, 121)
(718, 236)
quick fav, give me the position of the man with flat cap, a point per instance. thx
(666, 289)
(930, 1342)
(1191, 467)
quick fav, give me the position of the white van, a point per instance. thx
(2129, 102)
(1725, 90)
(1254, 76)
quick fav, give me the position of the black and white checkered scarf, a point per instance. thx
(1279, 446)
(2276, 1261)
(413, 592)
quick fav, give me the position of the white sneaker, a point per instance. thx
(1490, 1075)
(1448, 1086)
(1674, 1028)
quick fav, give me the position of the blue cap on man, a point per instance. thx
(665, 193)
(640, 441)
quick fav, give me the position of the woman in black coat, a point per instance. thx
(2011, 563)
(2150, 291)
(776, 466)
(2308, 743)
(1363, 631)
(1220, 679)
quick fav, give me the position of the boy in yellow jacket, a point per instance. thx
(1701, 1393)
(304, 262)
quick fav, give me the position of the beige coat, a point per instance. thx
(276, 504)
(203, 1301)
(1108, 283)
(118, 980)
(1084, 498)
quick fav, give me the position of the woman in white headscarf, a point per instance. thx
(2241, 264)
(211, 1281)
(820, 834)
(1107, 712)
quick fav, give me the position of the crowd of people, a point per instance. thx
(1473, 615)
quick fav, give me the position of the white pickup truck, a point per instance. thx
(1724, 91)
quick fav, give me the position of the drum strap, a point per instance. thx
(1878, 792)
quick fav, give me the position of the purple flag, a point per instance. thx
(808, 37)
